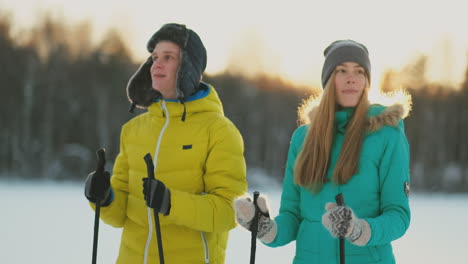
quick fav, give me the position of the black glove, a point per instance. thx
(157, 196)
(98, 188)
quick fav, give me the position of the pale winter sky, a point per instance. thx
(282, 37)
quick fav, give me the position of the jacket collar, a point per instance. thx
(205, 100)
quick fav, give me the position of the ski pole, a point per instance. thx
(340, 202)
(150, 167)
(101, 155)
(253, 240)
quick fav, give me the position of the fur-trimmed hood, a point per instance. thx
(379, 115)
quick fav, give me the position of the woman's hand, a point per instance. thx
(342, 222)
(245, 212)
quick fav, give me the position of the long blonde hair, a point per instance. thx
(314, 160)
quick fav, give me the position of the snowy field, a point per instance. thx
(52, 223)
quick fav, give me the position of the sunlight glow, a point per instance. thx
(285, 39)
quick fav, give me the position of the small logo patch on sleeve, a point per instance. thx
(407, 188)
(187, 147)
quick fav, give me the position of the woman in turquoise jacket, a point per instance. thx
(349, 147)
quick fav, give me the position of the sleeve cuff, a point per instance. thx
(110, 198)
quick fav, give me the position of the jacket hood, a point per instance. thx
(378, 115)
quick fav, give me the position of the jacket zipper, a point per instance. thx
(205, 246)
(155, 163)
(205, 243)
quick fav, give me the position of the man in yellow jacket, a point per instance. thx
(198, 159)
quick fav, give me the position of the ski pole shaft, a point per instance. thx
(96, 231)
(340, 202)
(150, 167)
(253, 240)
(101, 155)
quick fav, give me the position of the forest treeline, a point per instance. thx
(64, 96)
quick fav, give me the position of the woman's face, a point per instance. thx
(350, 81)
(166, 57)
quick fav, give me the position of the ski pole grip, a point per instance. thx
(149, 165)
(340, 202)
(256, 194)
(256, 215)
(101, 156)
(339, 199)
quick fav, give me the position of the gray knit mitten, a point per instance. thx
(342, 222)
(245, 212)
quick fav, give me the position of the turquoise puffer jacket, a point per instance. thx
(378, 193)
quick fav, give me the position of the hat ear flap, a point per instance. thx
(140, 89)
(188, 78)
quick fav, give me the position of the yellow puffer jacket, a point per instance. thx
(201, 162)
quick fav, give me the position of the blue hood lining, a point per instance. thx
(202, 93)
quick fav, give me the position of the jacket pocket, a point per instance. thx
(307, 240)
(364, 255)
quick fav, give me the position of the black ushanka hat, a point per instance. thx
(191, 67)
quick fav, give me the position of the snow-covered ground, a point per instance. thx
(52, 223)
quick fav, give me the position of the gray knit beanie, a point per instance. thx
(342, 51)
